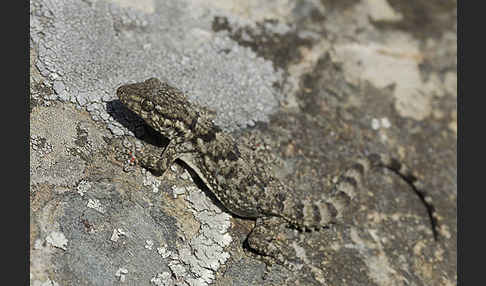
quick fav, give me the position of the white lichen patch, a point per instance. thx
(83, 187)
(177, 268)
(96, 205)
(199, 201)
(385, 122)
(40, 145)
(151, 181)
(176, 191)
(163, 251)
(57, 239)
(162, 279)
(149, 244)
(215, 227)
(121, 274)
(202, 254)
(117, 233)
(375, 124)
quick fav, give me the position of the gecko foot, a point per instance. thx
(269, 241)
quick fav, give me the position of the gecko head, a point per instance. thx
(139, 97)
(158, 103)
(152, 96)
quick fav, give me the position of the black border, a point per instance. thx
(22, 102)
(15, 209)
(460, 166)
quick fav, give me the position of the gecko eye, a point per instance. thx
(147, 105)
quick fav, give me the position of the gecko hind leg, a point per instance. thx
(267, 239)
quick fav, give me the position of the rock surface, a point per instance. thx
(321, 81)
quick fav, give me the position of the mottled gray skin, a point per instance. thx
(244, 185)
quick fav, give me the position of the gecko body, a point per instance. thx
(244, 186)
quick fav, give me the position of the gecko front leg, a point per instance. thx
(158, 162)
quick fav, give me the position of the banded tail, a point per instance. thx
(320, 213)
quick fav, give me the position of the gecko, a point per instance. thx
(243, 185)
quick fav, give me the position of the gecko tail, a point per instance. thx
(392, 164)
(313, 214)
